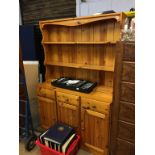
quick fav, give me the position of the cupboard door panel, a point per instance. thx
(125, 148)
(68, 114)
(129, 52)
(126, 131)
(128, 73)
(47, 109)
(128, 92)
(94, 127)
(127, 112)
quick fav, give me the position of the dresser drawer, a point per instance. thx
(94, 105)
(47, 93)
(68, 98)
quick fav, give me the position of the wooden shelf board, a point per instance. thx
(72, 43)
(82, 17)
(99, 93)
(104, 89)
(82, 66)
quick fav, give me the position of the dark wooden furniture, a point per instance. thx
(123, 109)
(34, 11)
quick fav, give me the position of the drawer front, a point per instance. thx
(125, 148)
(94, 105)
(68, 98)
(46, 93)
(129, 52)
(127, 112)
(128, 92)
(128, 73)
(126, 131)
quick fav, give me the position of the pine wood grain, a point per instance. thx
(47, 109)
(78, 42)
(74, 65)
(69, 110)
(83, 48)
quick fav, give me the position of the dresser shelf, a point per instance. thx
(82, 66)
(80, 43)
(104, 92)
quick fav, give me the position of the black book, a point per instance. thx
(68, 142)
(41, 137)
(57, 135)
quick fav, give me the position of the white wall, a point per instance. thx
(93, 6)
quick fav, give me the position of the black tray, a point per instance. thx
(74, 84)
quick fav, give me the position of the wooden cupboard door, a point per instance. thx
(124, 147)
(68, 114)
(47, 109)
(126, 131)
(94, 127)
